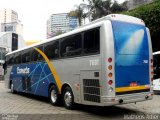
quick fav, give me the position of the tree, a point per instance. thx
(59, 32)
(150, 13)
(116, 7)
(79, 13)
(100, 8)
(96, 8)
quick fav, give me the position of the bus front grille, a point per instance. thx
(91, 90)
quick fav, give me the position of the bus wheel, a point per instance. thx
(54, 97)
(12, 88)
(68, 98)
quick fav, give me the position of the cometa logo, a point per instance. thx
(23, 70)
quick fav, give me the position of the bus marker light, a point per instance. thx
(113, 15)
(110, 82)
(110, 60)
(110, 75)
(152, 73)
(110, 67)
(147, 86)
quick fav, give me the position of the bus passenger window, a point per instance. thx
(35, 55)
(92, 41)
(71, 46)
(10, 60)
(51, 49)
(26, 57)
(17, 59)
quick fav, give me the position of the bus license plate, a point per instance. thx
(132, 84)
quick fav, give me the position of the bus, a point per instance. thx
(156, 65)
(106, 62)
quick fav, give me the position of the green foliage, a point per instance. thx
(78, 12)
(59, 32)
(100, 8)
(151, 15)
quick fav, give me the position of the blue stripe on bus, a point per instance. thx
(40, 77)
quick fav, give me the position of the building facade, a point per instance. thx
(8, 15)
(10, 42)
(11, 31)
(60, 23)
(9, 22)
(131, 4)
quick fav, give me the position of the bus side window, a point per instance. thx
(10, 60)
(26, 57)
(51, 49)
(92, 41)
(35, 55)
(71, 46)
(17, 59)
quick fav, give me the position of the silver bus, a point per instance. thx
(106, 62)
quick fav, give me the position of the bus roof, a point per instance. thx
(111, 17)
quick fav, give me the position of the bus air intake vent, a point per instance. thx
(91, 90)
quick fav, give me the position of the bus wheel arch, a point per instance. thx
(67, 96)
(53, 95)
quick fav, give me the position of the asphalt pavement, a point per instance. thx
(28, 107)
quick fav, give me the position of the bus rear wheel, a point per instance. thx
(54, 97)
(68, 98)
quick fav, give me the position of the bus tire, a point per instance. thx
(12, 89)
(54, 97)
(68, 98)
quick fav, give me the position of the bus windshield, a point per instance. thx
(130, 38)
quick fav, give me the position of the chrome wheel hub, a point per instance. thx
(53, 96)
(68, 98)
(12, 87)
